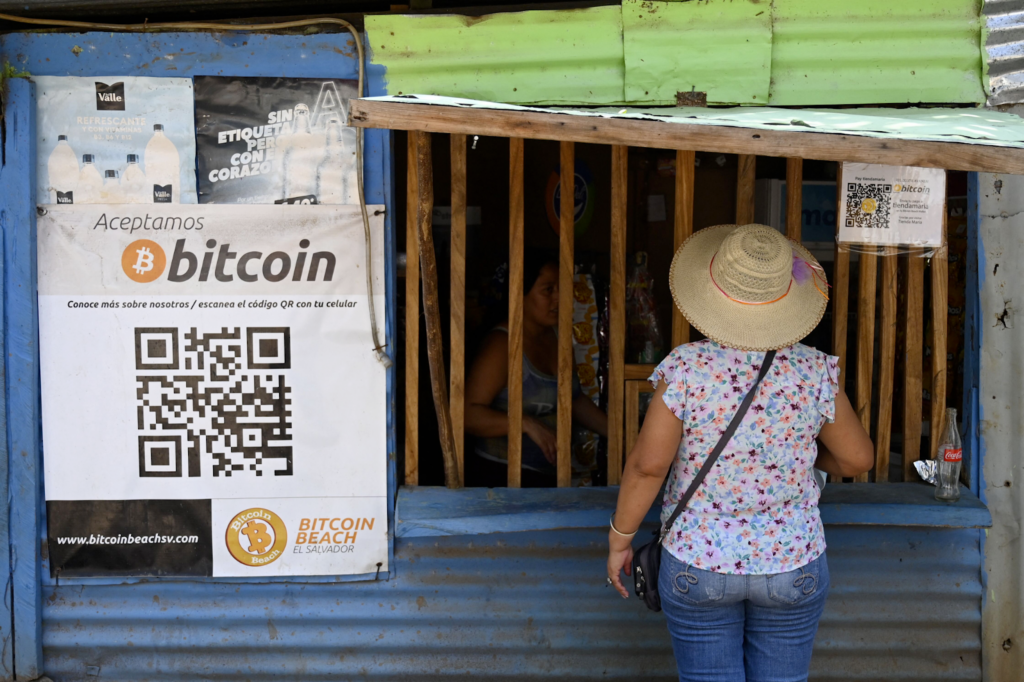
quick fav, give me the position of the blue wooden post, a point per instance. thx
(17, 207)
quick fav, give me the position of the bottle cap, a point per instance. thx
(62, 137)
(110, 174)
(133, 158)
(87, 158)
(158, 126)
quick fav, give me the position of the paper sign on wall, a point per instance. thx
(115, 140)
(891, 205)
(211, 403)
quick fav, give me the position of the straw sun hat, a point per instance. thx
(748, 287)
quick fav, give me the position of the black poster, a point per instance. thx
(129, 538)
(275, 141)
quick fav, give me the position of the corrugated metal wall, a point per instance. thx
(1000, 209)
(905, 605)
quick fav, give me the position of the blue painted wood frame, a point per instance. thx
(324, 55)
(973, 447)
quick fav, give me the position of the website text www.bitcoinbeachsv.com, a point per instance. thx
(130, 540)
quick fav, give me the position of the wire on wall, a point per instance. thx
(378, 347)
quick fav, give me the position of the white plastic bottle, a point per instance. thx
(111, 192)
(300, 153)
(90, 184)
(62, 172)
(331, 173)
(162, 168)
(133, 182)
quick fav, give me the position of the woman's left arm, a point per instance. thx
(646, 467)
(590, 415)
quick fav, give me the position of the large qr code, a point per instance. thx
(868, 204)
(217, 402)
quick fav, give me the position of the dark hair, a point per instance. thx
(534, 261)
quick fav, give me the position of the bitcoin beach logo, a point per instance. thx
(256, 537)
(869, 205)
(143, 261)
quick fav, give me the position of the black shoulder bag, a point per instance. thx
(647, 559)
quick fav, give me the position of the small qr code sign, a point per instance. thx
(891, 205)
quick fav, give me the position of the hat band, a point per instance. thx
(736, 300)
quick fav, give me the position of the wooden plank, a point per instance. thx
(617, 306)
(794, 198)
(515, 313)
(412, 320)
(865, 339)
(566, 261)
(698, 137)
(636, 372)
(432, 309)
(940, 318)
(745, 180)
(886, 364)
(632, 414)
(683, 228)
(840, 293)
(457, 333)
(912, 369)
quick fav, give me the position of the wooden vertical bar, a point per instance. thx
(794, 198)
(940, 318)
(632, 413)
(515, 313)
(566, 261)
(865, 339)
(840, 289)
(617, 309)
(912, 369)
(412, 320)
(745, 180)
(886, 365)
(432, 309)
(457, 333)
(685, 167)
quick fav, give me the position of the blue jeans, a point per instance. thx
(742, 628)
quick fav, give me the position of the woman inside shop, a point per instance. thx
(743, 575)
(487, 389)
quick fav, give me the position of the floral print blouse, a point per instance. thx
(757, 511)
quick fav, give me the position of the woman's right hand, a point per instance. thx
(544, 437)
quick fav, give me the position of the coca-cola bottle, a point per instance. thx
(948, 458)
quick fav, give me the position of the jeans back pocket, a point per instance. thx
(796, 586)
(697, 587)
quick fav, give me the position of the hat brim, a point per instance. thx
(739, 325)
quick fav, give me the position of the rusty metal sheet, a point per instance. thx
(1003, 43)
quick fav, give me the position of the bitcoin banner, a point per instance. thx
(211, 402)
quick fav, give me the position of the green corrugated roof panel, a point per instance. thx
(537, 57)
(721, 47)
(876, 52)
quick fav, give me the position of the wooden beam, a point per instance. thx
(683, 228)
(655, 134)
(632, 414)
(886, 364)
(617, 307)
(794, 198)
(566, 261)
(457, 344)
(745, 181)
(432, 309)
(412, 319)
(940, 318)
(840, 290)
(634, 372)
(865, 339)
(912, 369)
(515, 313)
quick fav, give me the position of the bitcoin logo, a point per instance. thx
(869, 206)
(256, 537)
(143, 261)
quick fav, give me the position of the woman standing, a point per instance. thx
(743, 576)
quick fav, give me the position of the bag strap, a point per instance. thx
(719, 446)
